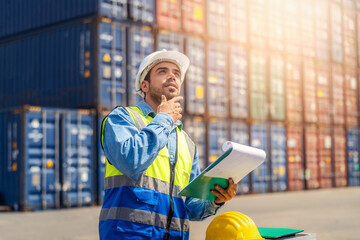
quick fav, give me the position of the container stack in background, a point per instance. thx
(280, 75)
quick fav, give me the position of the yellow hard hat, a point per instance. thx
(232, 225)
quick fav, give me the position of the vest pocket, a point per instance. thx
(145, 198)
(129, 230)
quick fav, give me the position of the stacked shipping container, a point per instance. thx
(278, 75)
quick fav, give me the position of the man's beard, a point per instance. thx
(155, 94)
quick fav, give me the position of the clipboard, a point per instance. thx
(235, 155)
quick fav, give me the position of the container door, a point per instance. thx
(278, 158)
(260, 176)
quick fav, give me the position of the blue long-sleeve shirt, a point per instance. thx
(132, 152)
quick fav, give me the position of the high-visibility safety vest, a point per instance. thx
(149, 208)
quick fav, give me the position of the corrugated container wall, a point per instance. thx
(18, 18)
(218, 98)
(295, 157)
(338, 103)
(168, 15)
(278, 157)
(193, 16)
(339, 147)
(311, 158)
(258, 23)
(277, 88)
(217, 135)
(238, 63)
(196, 128)
(349, 21)
(70, 66)
(169, 41)
(238, 21)
(46, 158)
(140, 44)
(324, 157)
(336, 32)
(307, 28)
(292, 27)
(358, 37)
(258, 74)
(239, 133)
(260, 176)
(322, 30)
(353, 156)
(217, 20)
(195, 76)
(293, 98)
(309, 91)
(323, 92)
(276, 25)
(351, 102)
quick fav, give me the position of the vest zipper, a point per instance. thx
(172, 179)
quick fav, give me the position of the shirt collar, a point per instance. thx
(148, 111)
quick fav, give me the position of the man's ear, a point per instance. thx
(145, 86)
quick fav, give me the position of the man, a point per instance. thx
(150, 159)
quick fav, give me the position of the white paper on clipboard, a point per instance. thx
(239, 163)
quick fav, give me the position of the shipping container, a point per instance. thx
(193, 19)
(238, 63)
(260, 176)
(140, 44)
(324, 157)
(170, 41)
(142, 11)
(295, 159)
(292, 27)
(358, 37)
(351, 102)
(218, 97)
(258, 85)
(307, 28)
(311, 158)
(293, 91)
(218, 134)
(195, 127)
(46, 158)
(336, 32)
(323, 92)
(168, 15)
(195, 76)
(338, 87)
(339, 140)
(349, 21)
(238, 19)
(72, 66)
(258, 29)
(322, 30)
(239, 133)
(217, 20)
(277, 88)
(353, 156)
(309, 88)
(278, 157)
(276, 25)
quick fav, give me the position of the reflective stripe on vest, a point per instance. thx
(154, 178)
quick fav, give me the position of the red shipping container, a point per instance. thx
(193, 19)
(324, 157)
(350, 96)
(307, 26)
(275, 25)
(338, 106)
(168, 15)
(309, 81)
(323, 93)
(311, 162)
(339, 139)
(349, 21)
(292, 26)
(293, 90)
(238, 19)
(294, 158)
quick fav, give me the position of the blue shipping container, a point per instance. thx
(46, 157)
(217, 136)
(260, 176)
(195, 76)
(278, 158)
(140, 44)
(19, 17)
(72, 66)
(239, 82)
(218, 97)
(239, 134)
(170, 41)
(353, 157)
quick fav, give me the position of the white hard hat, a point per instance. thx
(181, 60)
